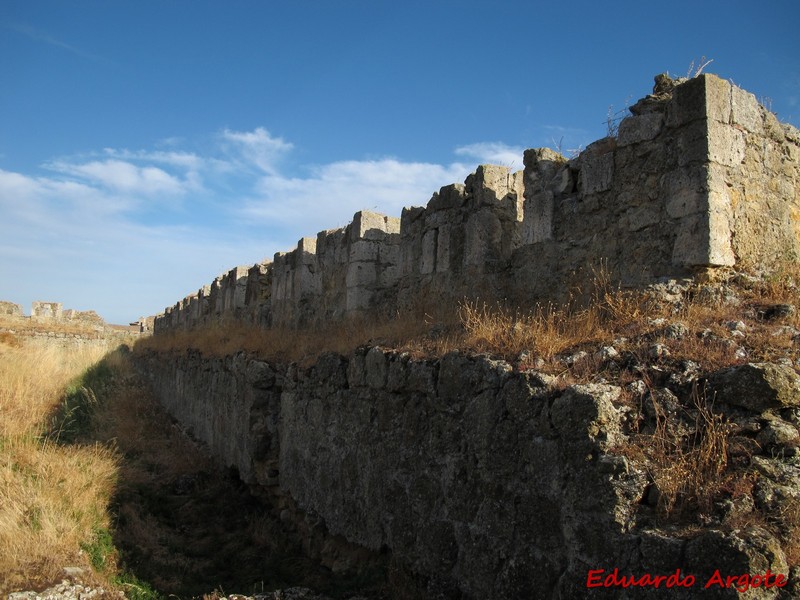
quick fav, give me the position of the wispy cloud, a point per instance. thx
(257, 147)
(38, 35)
(125, 177)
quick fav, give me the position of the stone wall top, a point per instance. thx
(699, 176)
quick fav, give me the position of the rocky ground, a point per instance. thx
(67, 590)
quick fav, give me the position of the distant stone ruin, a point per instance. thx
(49, 323)
(54, 312)
(47, 311)
(700, 176)
(9, 309)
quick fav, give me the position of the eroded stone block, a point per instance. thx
(726, 144)
(746, 111)
(703, 97)
(633, 130)
(597, 172)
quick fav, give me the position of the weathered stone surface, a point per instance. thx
(757, 386)
(776, 433)
(482, 481)
(46, 311)
(10, 309)
(260, 374)
(597, 170)
(752, 551)
(633, 130)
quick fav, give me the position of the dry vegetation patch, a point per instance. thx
(52, 498)
(27, 325)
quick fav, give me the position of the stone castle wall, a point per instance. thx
(483, 481)
(699, 176)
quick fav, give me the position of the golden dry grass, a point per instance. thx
(305, 345)
(28, 325)
(605, 315)
(52, 497)
(689, 474)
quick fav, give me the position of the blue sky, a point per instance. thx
(146, 147)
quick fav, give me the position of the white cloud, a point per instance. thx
(125, 177)
(258, 147)
(185, 160)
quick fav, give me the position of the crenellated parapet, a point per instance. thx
(700, 176)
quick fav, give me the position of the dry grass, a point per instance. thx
(689, 472)
(28, 325)
(305, 345)
(602, 315)
(53, 498)
(788, 523)
(549, 330)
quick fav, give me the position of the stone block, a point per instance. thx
(357, 298)
(773, 128)
(439, 218)
(371, 225)
(491, 184)
(720, 226)
(360, 274)
(726, 144)
(429, 249)
(363, 250)
(389, 275)
(692, 143)
(389, 254)
(597, 172)
(306, 281)
(443, 249)
(704, 239)
(746, 111)
(703, 97)
(686, 192)
(639, 217)
(691, 243)
(47, 310)
(633, 130)
(537, 225)
(541, 159)
(483, 238)
(409, 215)
(449, 196)
(306, 253)
(376, 368)
(10, 309)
